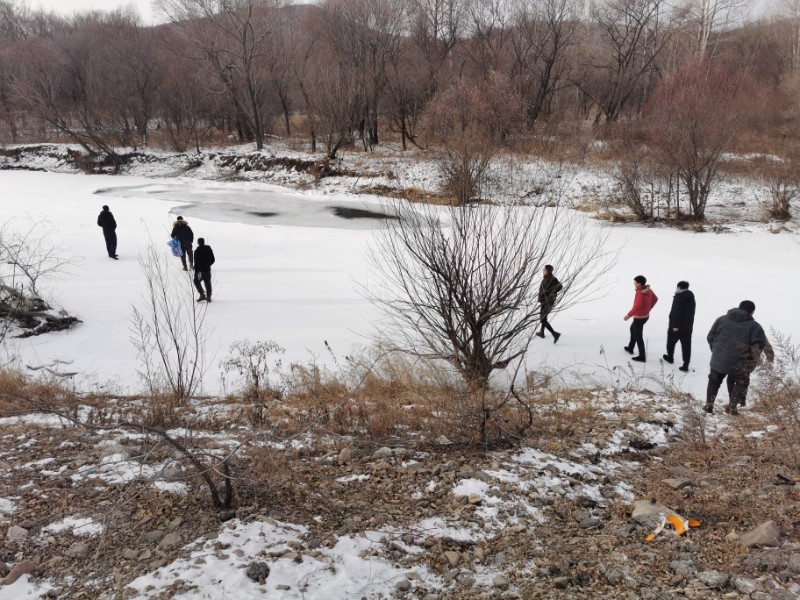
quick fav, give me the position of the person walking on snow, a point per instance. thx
(643, 302)
(548, 290)
(185, 235)
(681, 323)
(736, 342)
(203, 259)
(106, 220)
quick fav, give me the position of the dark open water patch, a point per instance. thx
(359, 213)
(262, 214)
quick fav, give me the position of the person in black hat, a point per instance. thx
(106, 220)
(203, 259)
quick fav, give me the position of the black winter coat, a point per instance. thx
(736, 342)
(106, 220)
(203, 258)
(548, 290)
(184, 233)
(681, 315)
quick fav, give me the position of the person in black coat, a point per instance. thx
(681, 323)
(203, 259)
(106, 220)
(185, 235)
(548, 290)
(736, 341)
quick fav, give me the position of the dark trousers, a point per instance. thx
(187, 251)
(203, 277)
(737, 387)
(637, 335)
(111, 241)
(546, 323)
(685, 338)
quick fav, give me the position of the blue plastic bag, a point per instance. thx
(175, 246)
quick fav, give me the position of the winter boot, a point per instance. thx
(556, 335)
(731, 409)
(639, 359)
(628, 350)
(202, 298)
(540, 334)
(709, 407)
(684, 368)
(668, 358)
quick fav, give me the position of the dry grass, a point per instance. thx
(21, 394)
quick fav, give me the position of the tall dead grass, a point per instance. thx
(778, 393)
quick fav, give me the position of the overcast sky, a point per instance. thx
(66, 7)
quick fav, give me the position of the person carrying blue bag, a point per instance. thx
(185, 235)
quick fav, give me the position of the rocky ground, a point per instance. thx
(564, 515)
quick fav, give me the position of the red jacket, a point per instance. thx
(643, 303)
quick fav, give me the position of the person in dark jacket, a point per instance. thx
(643, 302)
(736, 341)
(548, 290)
(106, 220)
(681, 323)
(185, 235)
(203, 259)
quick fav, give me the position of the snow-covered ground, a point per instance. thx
(296, 278)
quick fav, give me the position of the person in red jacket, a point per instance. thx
(643, 302)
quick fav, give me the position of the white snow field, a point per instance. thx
(295, 277)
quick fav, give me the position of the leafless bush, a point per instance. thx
(250, 360)
(783, 180)
(27, 259)
(696, 115)
(631, 179)
(470, 122)
(30, 256)
(168, 331)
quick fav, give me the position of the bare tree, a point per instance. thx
(365, 34)
(185, 104)
(60, 81)
(169, 331)
(543, 35)
(233, 36)
(334, 101)
(437, 27)
(489, 27)
(14, 26)
(707, 16)
(460, 285)
(785, 25)
(634, 33)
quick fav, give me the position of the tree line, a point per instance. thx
(343, 72)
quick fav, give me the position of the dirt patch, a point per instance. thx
(318, 169)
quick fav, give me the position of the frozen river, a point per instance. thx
(290, 267)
